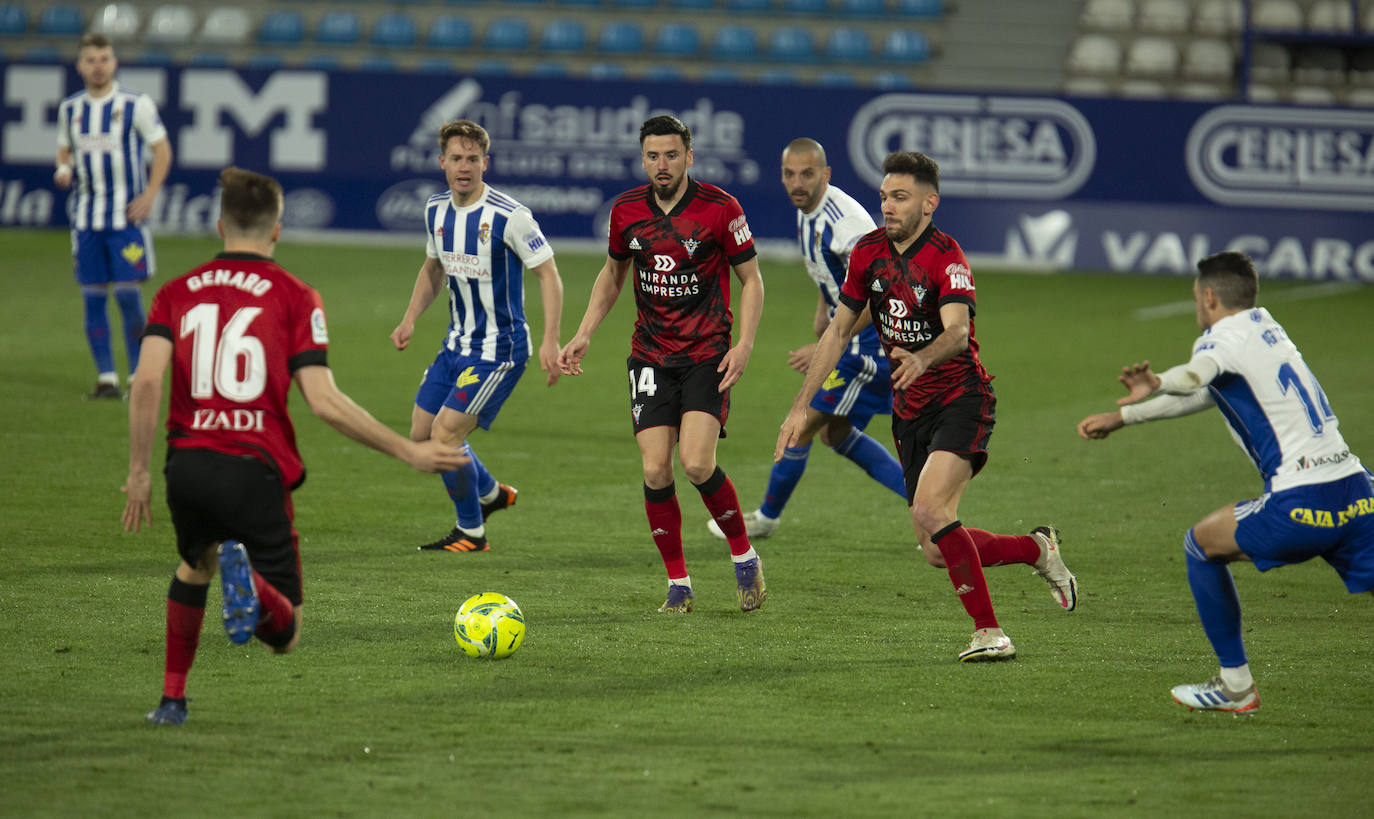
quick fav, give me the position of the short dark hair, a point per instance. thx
(249, 202)
(1231, 275)
(465, 129)
(665, 125)
(914, 164)
(94, 40)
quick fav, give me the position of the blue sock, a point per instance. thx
(485, 482)
(1218, 606)
(783, 479)
(873, 458)
(462, 490)
(98, 328)
(131, 306)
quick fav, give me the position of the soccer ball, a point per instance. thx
(489, 625)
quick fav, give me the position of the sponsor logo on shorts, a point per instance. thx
(1332, 518)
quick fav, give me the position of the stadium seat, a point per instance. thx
(677, 39)
(1360, 98)
(449, 31)
(1218, 17)
(120, 21)
(44, 54)
(61, 20)
(549, 69)
(210, 59)
(663, 73)
(1260, 92)
(805, 6)
(1331, 17)
(564, 36)
(155, 57)
(492, 68)
(735, 42)
(1320, 65)
(1361, 68)
(1277, 14)
(227, 25)
(508, 34)
(321, 62)
(1095, 54)
(591, 3)
(929, 9)
(1367, 19)
(269, 62)
(779, 76)
(721, 74)
(1152, 57)
(282, 28)
(436, 65)
(792, 44)
(693, 5)
(836, 78)
(621, 37)
(394, 30)
(606, 71)
(338, 28)
(1087, 87)
(1136, 88)
(636, 4)
(1312, 95)
(1165, 16)
(1270, 62)
(1208, 60)
(903, 45)
(862, 8)
(893, 80)
(1107, 15)
(378, 63)
(14, 19)
(748, 6)
(170, 24)
(849, 45)
(1202, 91)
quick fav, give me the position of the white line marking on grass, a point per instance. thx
(1313, 291)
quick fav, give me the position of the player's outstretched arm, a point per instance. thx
(145, 400)
(428, 284)
(1140, 383)
(605, 291)
(335, 408)
(1100, 425)
(551, 293)
(747, 318)
(828, 352)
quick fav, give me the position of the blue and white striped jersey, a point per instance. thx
(107, 138)
(484, 249)
(1273, 404)
(827, 234)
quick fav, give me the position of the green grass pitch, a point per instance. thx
(842, 697)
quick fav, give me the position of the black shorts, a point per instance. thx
(963, 426)
(214, 497)
(660, 395)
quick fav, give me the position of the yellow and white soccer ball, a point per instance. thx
(489, 625)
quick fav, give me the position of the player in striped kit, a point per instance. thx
(103, 133)
(829, 222)
(478, 243)
(1318, 499)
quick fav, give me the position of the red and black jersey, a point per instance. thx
(682, 262)
(240, 326)
(904, 293)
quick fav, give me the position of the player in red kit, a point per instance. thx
(918, 290)
(236, 332)
(680, 239)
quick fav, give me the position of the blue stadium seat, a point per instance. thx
(636, 4)
(564, 36)
(677, 39)
(321, 62)
(14, 19)
(508, 34)
(837, 79)
(436, 65)
(805, 6)
(60, 19)
(44, 54)
(906, 46)
(862, 8)
(492, 68)
(449, 31)
(735, 42)
(339, 28)
(270, 62)
(379, 63)
(696, 5)
(893, 80)
(394, 30)
(932, 9)
(721, 74)
(663, 73)
(779, 76)
(849, 45)
(748, 6)
(621, 38)
(210, 59)
(792, 44)
(606, 71)
(550, 68)
(592, 3)
(156, 57)
(282, 28)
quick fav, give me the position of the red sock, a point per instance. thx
(665, 527)
(277, 612)
(185, 614)
(966, 573)
(1003, 550)
(718, 493)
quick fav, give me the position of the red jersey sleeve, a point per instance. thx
(736, 240)
(309, 333)
(955, 279)
(854, 292)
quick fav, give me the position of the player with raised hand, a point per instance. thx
(681, 238)
(1318, 499)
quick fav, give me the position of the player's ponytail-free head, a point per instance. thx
(1231, 275)
(666, 125)
(250, 203)
(918, 166)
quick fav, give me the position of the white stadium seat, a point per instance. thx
(1136, 88)
(1107, 15)
(1259, 92)
(1095, 54)
(171, 24)
(1360, 97)
(1218, 17)
(1331, 16)
(118, 20)
(1152, 57)
(1208, 59)
(1312, 95)
(1277, 14)
(1164, 15)
(227, 25)
(1269, 62)
(1202, 91)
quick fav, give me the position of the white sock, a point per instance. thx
(749, 555)
(490, 496)
(1238, 678)
(108, 378)
(685, 581)
(480, 531)
(758, 513)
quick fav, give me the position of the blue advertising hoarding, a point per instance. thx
(1098, 184)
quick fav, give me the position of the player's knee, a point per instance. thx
(698, 470)
(658, 476)
(835, 431)
(928, 515)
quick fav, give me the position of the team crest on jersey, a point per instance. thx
(636, 410)
(467, 378)
(484, 233)
(117, 115)
(691, 246)
(920, 293)
(318, 332)
(634, 243)
(833, 381)
(132, 253)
